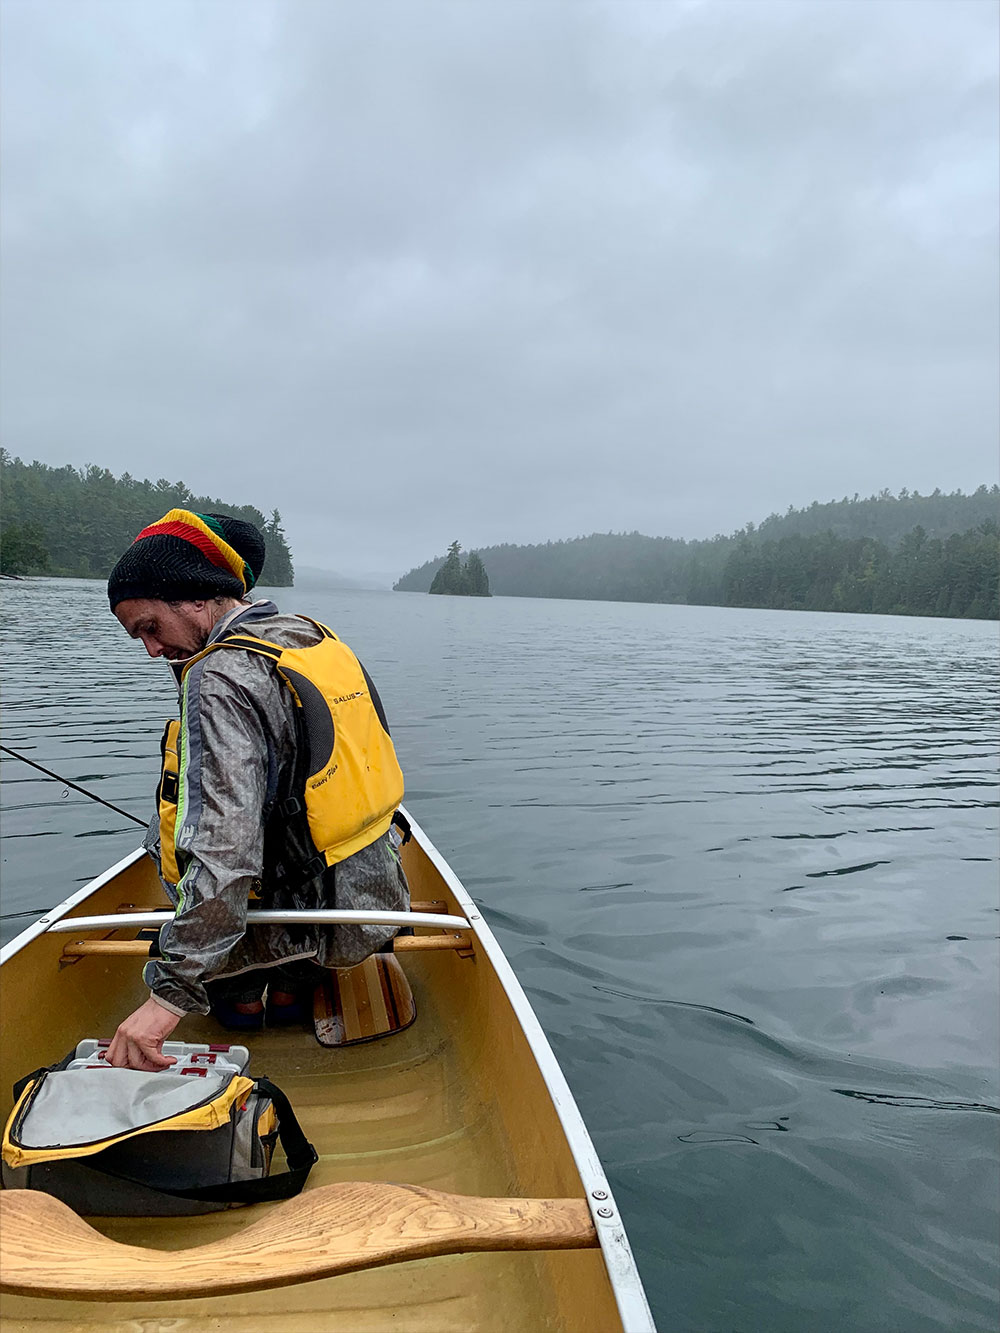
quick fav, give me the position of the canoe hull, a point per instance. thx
(467, 1100)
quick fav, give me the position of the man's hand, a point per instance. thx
(138, 1043)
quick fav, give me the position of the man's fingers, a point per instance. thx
(126, 1053)
(144, 1055)
(154, 1059)
(138, 1042)
(138, 1059)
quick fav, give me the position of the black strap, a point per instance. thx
(403, 824)
(152, 935)
(301, 1155)
(250, 642)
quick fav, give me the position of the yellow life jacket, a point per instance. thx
(166, 798)
(353, 782)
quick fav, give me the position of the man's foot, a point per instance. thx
(243, 1016)
(286, 1008)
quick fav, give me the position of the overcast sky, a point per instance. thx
(502, 270)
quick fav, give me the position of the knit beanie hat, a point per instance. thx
(185, 556)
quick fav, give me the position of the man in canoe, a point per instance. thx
(278, 788)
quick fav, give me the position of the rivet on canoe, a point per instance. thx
(605, 1212)
(599, 1194)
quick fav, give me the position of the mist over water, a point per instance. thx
(745, 864)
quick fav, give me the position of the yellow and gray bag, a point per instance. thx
(124, 1143)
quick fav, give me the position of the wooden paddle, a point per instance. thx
(46, 1250)
(363, 1003)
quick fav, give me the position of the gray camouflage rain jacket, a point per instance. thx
(239, 749)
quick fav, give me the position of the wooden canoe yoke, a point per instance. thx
(47, 1250)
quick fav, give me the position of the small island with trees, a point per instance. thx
(457, 580)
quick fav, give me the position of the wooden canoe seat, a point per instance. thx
(47, 1250)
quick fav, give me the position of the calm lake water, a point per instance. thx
(744, 863)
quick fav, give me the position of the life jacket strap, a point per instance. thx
(314, 868)
(254, 645)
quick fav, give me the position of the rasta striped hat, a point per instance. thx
(184, 556)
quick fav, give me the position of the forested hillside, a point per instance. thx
(904, 555)
(886, 517)
(77, 522)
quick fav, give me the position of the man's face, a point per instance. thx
(171, 630)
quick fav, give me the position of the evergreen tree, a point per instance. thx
(22, 549)
(476, 582)
(277, 571)
(450, 577)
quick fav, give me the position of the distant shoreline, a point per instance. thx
(542, 597)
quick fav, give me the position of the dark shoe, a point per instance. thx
(285, 1009)
(231, 1016)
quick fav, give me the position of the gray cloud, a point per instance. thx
(507, 272)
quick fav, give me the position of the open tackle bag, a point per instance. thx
(195, 1138)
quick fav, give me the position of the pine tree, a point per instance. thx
(278, 571)
(476, 582)
(450, 577)
(22, 549)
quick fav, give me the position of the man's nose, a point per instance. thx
(152, 646)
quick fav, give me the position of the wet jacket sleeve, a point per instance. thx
(220, 837)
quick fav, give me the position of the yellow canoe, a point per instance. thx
(457, 1186)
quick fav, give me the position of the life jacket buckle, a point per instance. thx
(291, 806)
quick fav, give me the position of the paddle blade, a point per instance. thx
(363, 1003)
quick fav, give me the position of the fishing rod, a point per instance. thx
(40, 911)
(76, 787)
